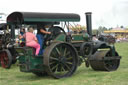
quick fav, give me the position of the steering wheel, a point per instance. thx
(55, 31)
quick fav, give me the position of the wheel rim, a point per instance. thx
(62, 61)
(4, 59)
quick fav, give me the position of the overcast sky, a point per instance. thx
(108, 13)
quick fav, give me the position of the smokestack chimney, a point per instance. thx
(89, 23)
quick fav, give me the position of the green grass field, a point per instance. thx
(83, 75)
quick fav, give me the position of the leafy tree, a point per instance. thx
(95, 32)
(110, 28)
(101, 29)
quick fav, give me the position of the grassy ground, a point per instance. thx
(83, 75)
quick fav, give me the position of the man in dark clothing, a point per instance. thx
(40, 36)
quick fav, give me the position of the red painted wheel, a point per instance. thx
(5, 59)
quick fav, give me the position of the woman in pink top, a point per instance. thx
(31, 40)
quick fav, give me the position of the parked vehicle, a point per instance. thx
(7, 54)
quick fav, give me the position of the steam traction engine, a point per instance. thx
(63, 52)
(7, 54)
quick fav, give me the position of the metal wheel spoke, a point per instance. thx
(67, 53)
(62, 68)
(52, 63)
(69, 63)
(58, 51)
(2, 62)
(67, 66)
(70, 58)
(86, 50)
(65, 50)
(53, 54)
(5, 58)
(55, 67)
(53, 58)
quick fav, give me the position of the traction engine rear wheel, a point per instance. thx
(5, 59)
(60, 60)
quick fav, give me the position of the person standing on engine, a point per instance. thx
(40, 36)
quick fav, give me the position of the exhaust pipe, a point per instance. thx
(89, 23)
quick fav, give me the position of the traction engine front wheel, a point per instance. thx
(104, 61)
